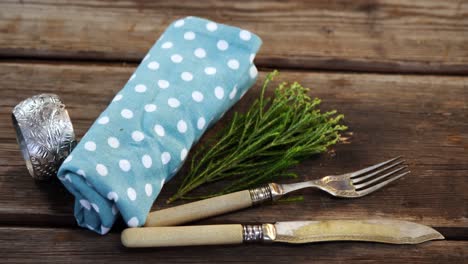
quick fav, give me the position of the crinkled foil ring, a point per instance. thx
(45, 134)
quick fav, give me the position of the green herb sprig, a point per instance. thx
(260, 145)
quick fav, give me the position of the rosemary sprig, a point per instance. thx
(260, 145)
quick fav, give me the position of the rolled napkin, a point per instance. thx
(192, 75)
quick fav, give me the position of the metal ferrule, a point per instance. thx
(269, 192)
(260, 194)
(252, 233)
(259, 233)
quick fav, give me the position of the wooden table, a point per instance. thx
(396, 69)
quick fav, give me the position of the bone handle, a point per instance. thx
(201, 209)
(182, 236)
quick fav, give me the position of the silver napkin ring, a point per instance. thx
(45, 134)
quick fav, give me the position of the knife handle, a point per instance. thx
(182, 236)
(209, 207)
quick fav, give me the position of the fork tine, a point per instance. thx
(382, 184)
(362, 178)
(360, 172)
(367, 183)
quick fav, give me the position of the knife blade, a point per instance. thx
(295, 232)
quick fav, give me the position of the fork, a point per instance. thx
(349, 185)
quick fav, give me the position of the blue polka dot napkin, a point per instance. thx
(193, 74)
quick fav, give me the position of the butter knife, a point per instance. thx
(295, 232)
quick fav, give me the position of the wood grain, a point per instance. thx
(46, 245)
(364, 35)
(420, 117)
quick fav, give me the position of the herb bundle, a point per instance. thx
(260, 145)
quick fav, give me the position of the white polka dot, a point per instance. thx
(186, 76)
(68, 159)
(245, 35)
(179, 23)
(113, 196)
(219, 92)
(211, 26)
(101, 170)
(222, 45)
(147, 161)
(104, 230)
(163, 84)
(81, 173)
(90, 146)
(125, 165)
(95, 207)
(165, 157)
(126, 113)
(189, 35)
(148, 189)
(117, 98)
(67, 177)
(140, 88)
(158, 129)
(201, 123)
(233, 64)
(253, 72)
(138, 136)
(172, 102)
(113, 142)
(197, 96)
(233, 93)
(132, 77)
(182, 126)
(146, 57)
(183, 154)
(200, 53)
(210, 70)
(167, 45)
(85, 204)
(114, 209)
(252, 57)
(162, 182)
(103, 120)
(176, 58)
(131, 193)
(133, 222)
(150, 108)
(154, 65)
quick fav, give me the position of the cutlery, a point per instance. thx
(296, 232)
(349, 185)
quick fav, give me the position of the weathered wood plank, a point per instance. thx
(44, 245)
(365, 35)
(420, 117)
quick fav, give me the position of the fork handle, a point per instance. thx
(209, 207)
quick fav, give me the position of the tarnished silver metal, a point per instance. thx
(372, 230)
(259, 233)
(260, 194)
(44, 133)
(276, 191)
(252, 233)
(269, 233)
(350, 185)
